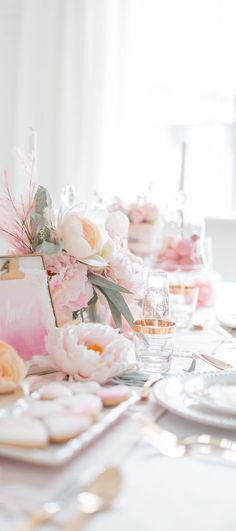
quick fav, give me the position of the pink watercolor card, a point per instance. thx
(26, 311)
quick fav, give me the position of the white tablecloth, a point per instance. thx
(158, 493)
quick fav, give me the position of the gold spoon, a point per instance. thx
(98, 496)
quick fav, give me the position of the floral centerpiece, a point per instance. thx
(143, 217)
(88, 270)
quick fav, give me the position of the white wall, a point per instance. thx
(223, 234)
(9, 34)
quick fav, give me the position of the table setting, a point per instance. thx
(117, 367)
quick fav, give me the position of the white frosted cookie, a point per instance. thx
(40, 409)
(82, 404)
(114, 395)
(23, 432)
(85, 387)
(62, 429)
(54, 390)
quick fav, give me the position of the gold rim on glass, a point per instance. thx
(188, 291)
(154, 326)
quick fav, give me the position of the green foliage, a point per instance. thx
(113, 294)
(192, 367)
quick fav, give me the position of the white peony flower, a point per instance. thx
(117, 224)
(82, 237)
(89, 351)
(108, 250)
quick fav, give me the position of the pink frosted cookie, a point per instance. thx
(54, 390)
(23, 432)
(82, 404)
(85, 387)
(112, 396)
(62, 429)
(40, 409)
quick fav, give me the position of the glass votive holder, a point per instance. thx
(154, 345)
(183, 302)
(156, 298)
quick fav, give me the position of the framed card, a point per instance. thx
(26, 309)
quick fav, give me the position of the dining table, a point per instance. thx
(158, 493)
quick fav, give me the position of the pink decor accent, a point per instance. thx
(180, 253)
(26, 313)
(69, 285)
(206, 293)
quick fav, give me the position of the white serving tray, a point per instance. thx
(59, 454)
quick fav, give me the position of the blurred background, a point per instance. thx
(124, 93)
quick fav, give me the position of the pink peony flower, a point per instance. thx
(127, 270)
(69, 284)
(137, 215)
(89, 351)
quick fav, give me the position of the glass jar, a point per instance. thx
(182, 242)
(183, 303)
(154, 345)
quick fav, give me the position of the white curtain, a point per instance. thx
(68, 70)
(114, 86)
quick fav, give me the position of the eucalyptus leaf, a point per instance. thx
(192, 367)
(94, 298)
(115, 314)
(38, 220)
(42, 200)
(102, 282)
(119, 302)
(114, 311)
(48, 248)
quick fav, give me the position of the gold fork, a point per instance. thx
(170, 445)
(215, 362)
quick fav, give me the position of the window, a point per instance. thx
(177, 85)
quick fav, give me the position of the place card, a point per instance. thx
(26, 309)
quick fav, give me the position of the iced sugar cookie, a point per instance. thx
(54, 390)
(112, 396)
(23, 432)
(85, 387)
(82, 404)
(40, 409)
(62, 429)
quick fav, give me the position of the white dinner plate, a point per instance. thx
(171, 394)
(221, 398)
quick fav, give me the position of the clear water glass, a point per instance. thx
(156, 297)
(154, 345)
(183, 302)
